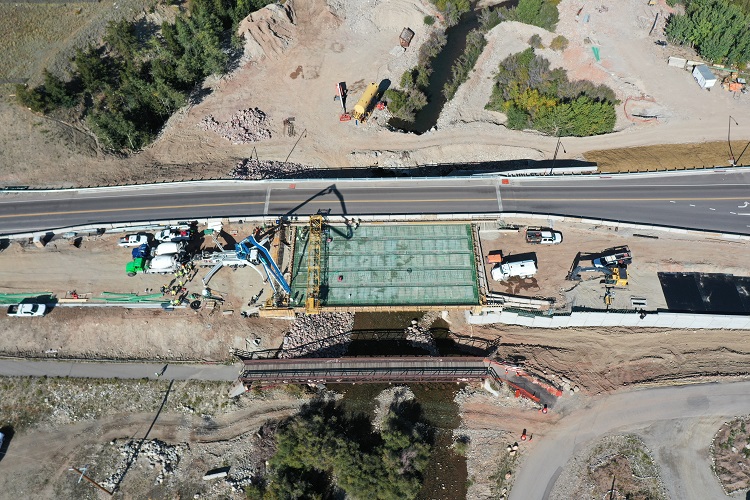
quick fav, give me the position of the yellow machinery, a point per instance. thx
(312, 303)
(363, 107)
(618, 278)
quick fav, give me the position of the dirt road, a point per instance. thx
(632, 411)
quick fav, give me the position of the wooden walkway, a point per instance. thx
(391, 369)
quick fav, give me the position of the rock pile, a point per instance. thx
(249, 125)
(421, 337)
(326, 335)
(157, 453)
(252, 169)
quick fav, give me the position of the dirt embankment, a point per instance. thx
(603, 360)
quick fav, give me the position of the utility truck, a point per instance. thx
(161, 264)
(521, 269)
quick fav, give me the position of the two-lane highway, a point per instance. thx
(705, 200)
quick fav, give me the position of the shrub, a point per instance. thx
(32, 98)
(429, 20)
(475, 43)
(489, 18)
(542, 13)
(559, 43)
(536, 42)
(716, 28)
(534, 96)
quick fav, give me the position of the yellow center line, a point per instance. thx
(213, 205)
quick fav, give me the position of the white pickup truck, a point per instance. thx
(27, 310)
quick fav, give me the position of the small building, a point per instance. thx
(406, 37)
(703, 76)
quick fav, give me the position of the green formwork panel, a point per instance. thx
(397, 265)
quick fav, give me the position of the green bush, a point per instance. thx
(536, 42)
(717, 29)
(452, 9)
(489, 18)
(542, 13)
(534, 96)
(429, 20)
(559, 43)
(322, 445)
(133, 85)
(475, 43)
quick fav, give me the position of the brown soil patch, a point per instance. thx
(667, 157)
(731, 455)
(623, 458)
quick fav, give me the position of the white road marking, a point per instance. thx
(733, 213)
(672, 202)
(692, 205)
(268, 199)
(712, 209)
(499, 199)
(743, 206)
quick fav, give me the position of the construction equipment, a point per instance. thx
(258, 252)
(162, 264)
(612, 263)
(616, 256)
(314, 241)
(614, 276)
(341, 93)
(364, 106)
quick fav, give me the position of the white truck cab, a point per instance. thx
(521, 269)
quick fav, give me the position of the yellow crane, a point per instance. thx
(314, 241)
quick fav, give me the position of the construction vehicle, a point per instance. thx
(364, 106)
(541, 236)
(162, 264)
(250, 249)
(617, 256)
(614, 276)
(521, 269)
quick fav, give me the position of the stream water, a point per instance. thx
(446, 475)
(427, 117)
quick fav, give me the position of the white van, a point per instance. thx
(170, 248)
(507, 270)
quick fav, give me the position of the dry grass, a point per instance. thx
(37, 36)
(667, 156)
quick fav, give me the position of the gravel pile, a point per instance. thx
(158, 454)
(252, 169)
(249, 125)
(325, 335)
(421, 337)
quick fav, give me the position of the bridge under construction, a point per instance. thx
(385, 266)
(394, 369)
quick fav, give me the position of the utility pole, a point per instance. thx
(554, 158)
(82, 472)
(729, 131)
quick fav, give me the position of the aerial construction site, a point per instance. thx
(413, 249)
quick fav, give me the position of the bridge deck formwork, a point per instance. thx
(390, 265)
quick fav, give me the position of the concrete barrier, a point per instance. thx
(694, 321)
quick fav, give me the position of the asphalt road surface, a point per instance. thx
(177, 371)
(713, 200)
(686, 472)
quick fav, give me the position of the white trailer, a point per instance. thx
(703, 76)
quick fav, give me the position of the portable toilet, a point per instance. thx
(703, 76)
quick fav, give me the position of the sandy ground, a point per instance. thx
(650, 255)
(294, 76)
